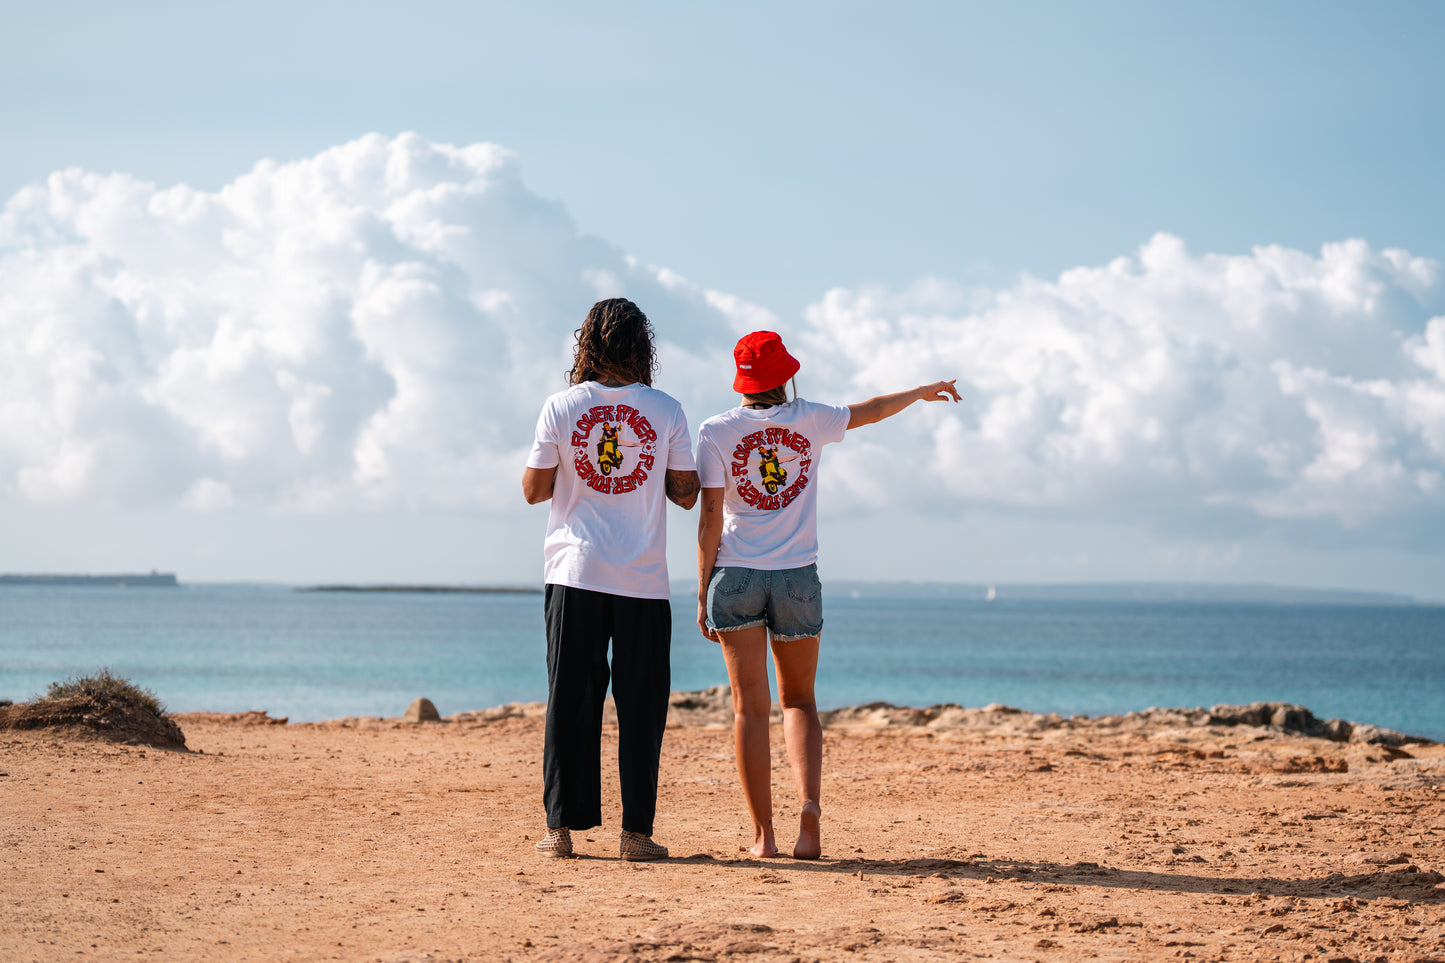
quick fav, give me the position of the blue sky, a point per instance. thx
(777, 154)
(778, 150)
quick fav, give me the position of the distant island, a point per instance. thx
(433, 589)
(153, 580)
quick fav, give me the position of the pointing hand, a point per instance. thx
(941, 391)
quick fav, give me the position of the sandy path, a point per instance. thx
(388, 841)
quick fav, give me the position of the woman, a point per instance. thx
(757, 565)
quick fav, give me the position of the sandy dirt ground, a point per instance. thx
(1001, 836)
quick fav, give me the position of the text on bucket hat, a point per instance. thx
(763, 363)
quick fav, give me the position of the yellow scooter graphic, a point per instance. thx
(609, 454)
(775, 476)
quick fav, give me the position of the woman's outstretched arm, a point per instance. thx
(709, 537)
(886, 406)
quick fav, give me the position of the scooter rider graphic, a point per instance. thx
(609, 455)
(774, 475)
(609, 448)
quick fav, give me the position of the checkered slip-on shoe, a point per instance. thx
(557, 842)
(639, 848)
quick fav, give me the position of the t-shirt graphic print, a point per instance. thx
(610, 440)
(766, 462)
(607, 529)
(768, 456)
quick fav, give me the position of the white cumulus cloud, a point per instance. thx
(1183, 391)
(376, 326)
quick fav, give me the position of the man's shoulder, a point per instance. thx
(658, 395)
(655, 401)
(560, 399)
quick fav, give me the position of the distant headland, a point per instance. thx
(434, 589)
(153, 580)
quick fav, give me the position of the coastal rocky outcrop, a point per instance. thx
(714, 706)
(255, 717)
(1291, 718)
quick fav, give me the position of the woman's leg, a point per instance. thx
(797, 664)
(746, 654)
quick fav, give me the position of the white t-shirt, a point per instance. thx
(766, 462)
(612, 448)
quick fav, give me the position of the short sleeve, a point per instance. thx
(832, 423)
(679, 445)
(544, 453)
(710, 468)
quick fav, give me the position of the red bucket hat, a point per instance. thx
(763, 363)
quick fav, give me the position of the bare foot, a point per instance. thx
(810, 842)
(764, 846)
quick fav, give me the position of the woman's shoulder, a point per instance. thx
(722, 418)
(808, 409)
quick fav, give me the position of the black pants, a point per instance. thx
(579, 625)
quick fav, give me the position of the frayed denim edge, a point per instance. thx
(739, 628)
(793, 638)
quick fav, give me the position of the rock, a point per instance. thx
(712, 706)
(255, 717)
(1377, 736)
(1292, 718)
(717, 698)
(422, 710)
(512, 710)
(1257, 714)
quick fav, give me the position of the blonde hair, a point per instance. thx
(778, 395)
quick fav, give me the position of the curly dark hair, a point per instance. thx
(615, 342)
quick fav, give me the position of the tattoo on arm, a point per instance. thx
(682, 487)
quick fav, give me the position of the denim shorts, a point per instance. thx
(788, 601)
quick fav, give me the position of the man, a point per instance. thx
(607, 451)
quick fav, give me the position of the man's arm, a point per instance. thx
(682, 488)
(537, 484)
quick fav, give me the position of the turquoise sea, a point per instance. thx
(312, 656)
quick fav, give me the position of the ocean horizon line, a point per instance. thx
(1201, 592)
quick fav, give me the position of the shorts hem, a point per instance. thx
(738, 628)
(793, 638)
